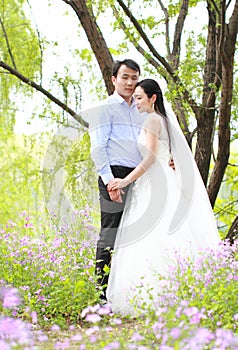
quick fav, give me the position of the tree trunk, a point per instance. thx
(204, 143)
(223, 134)
(206, 115)
(232, 234)
(95, 38)
(227, 45)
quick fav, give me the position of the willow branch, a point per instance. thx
(39, 40)
(37, 87)
(8, 44)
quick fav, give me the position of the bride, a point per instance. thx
(166, 210)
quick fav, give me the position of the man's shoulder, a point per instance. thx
(111, 99)
(108, 100)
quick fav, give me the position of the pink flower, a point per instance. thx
(4, 345)
(10, 298)
(93, 318)
(55, 328)
(42, 338)
(113, 345)
(137, 337)
(34, 317)
(76, 338)
(92, 330)
(116, 321)
(175, 332)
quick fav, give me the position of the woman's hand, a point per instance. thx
(116, 184)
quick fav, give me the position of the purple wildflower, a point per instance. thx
(4, 345)
(62, 345)
(14, 330)
(113, 345)
(104, 310)
(55, 328)
(137, 337)
(175, 332)
(42, 338)
(76, 337)
(92, 330)
(93, 318)
(116, 321)
(93, 338)
(10, 297)
(89, 309)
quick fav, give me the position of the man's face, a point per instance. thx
(125, 82)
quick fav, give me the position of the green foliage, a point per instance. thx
(19, 48)
(192, 65)
(21, 38)
(54, 270)
(69, 180)
(81, 178)
(211, 290)
(20, 185)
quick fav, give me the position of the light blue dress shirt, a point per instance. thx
(114, 127)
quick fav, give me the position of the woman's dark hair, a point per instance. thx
(127, 62)
(151, 87)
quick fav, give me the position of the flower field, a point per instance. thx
(48, 298)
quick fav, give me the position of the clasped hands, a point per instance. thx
(114, 188)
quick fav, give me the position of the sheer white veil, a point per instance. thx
(194, 201)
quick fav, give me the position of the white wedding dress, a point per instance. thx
(162, 214)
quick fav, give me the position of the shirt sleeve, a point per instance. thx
(100, 128)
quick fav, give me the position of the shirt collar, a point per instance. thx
(121, 99)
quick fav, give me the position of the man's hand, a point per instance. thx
(115, 195)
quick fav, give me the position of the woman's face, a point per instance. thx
(141, 99)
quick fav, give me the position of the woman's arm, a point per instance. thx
(152, 130)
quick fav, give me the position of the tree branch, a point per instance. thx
(44, 92)
(166, 16)
(98, 44)
(232, 233)
(39, 40)
(178, 31)
(215, 7)
(134, 41)
(233, 24)
(8, 44)
(146, 39)
(161, 59)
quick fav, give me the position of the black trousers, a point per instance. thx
(111, 213)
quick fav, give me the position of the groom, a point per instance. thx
(113, 134)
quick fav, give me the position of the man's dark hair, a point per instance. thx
(127, 62)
